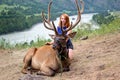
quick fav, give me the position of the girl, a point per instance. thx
(65, 23)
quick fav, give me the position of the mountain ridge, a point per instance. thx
(64, 5)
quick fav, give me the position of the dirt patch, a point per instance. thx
(94, 59)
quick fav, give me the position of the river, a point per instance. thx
(38, 30)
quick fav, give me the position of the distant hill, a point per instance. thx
(18, 15)
(102, 5)
(36, 6)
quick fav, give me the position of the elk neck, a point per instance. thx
(62, 52)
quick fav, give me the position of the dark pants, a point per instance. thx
(69, 44)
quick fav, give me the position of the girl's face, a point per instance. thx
(63, 20)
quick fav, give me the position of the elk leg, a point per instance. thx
(27, 64)
(46, 71)
(24, 70)
(27, 60)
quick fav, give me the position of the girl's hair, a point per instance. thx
(67, 24)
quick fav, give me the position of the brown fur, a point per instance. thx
(43, 59)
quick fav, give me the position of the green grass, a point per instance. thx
(6, 45)
(116, 13)
(104, 29)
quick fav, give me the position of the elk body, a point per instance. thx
(49, 59)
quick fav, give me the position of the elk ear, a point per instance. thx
(52, 36)
(71, 35)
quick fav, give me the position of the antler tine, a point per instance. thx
(82, 3)
(79, 15)
(47, 20)
(54, 28)
(63, 31)
(69, 28)
(49, 10)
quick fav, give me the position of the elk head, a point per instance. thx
(60, 39)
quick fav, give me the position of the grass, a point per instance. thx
(104, 29)
(6, 45)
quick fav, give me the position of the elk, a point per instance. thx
(49, 59)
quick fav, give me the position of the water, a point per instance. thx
(38, 30)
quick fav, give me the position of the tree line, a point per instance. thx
(19, 19)
(12, 20)
(103, 18)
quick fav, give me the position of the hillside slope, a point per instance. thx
(94, 59)
(63, 5)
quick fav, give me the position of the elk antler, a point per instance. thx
(52, 26)
(79, 15)
(48, 20)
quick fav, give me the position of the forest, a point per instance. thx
(19, 15)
